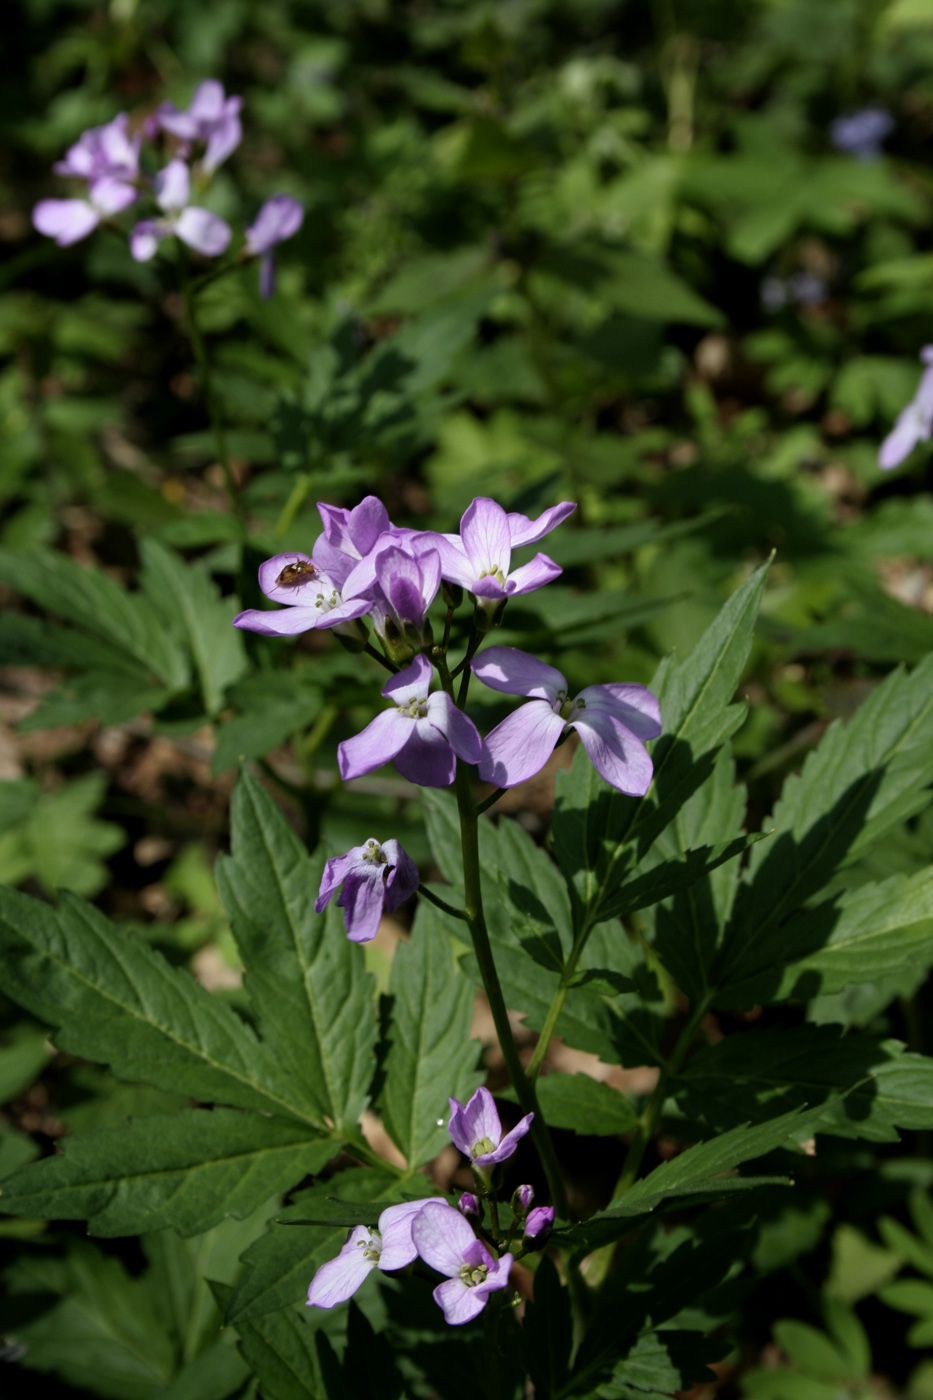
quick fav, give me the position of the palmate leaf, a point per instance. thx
(282, 1354)
(307, 983)
(697, 1172)
(862, 935)
(599, 834)
(870, 1087)
(430, 1056)
(188, 1170)
(863, 779)
(118, 1002)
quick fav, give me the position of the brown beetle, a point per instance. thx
(294, 575)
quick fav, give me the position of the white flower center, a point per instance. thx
(472, 1274)
(415, 709)
(371, 1247)
(326, 604)
(375, 854)
(484, 1145)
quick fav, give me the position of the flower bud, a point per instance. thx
(488, 613)
(451, 593)
(396, 647)
(352, 636)
(522, 1199)
(469, 1204)
(539, 1224)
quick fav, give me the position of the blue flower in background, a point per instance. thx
(861, 133)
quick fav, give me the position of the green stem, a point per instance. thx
(441, 903)
(207, 387)
(494, 1219)
(489, 801)
(315, 737)
(293, 505)
(370, 650)
(547, 1030)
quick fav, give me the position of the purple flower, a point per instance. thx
(423, 733)
(446, 1242)
(198, 228)
(279, 218)
(400, 577)
(312, 596)
(522, 1198)
(861, 133)
(212, 117)
(469, 1204)
(103, 151)
(914, 423)
(612, 720)
(375, 879)
(70, 220)
(539, 1223)
(475, 1128)
(388, 1247)
(479, 558)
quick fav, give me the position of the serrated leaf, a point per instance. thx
(583, 1105)
(96, 602)
(187, 598)
(699, 1171)
(188, 1170)
(21, 1062)
(60, 841)
(662, 1362)
(307, 982)
(118, 1002)
(258, 731)
(281, 1352)
(430, 1055)
(863, 779)
(601, 835)
(812, 1350)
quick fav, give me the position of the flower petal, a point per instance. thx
(525, 531)
(496, 1277)
(615, 752)
(427, 759)
(111, 195)
(207, 101)
(291, 593)
(535, 574)
(459, 729)
(362, 901)
(287, 622)
(458, 1303)
(478, 1119)
(172, 185)
(509, 1144)
(225, 137)
(441, 1235)
(279, 218)
(410, 684)
(519, 747)
(403, 878)
(398, 1247)
(518, 673)
(339, 1278)
(203, 231)
(487, 540)
(633, 705)
(455, 566)
(335, 872)
(65, 220)
(379, 742)
(145, 239)
(902, 439)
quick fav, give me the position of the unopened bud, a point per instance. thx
(522, 1199)
(539, 1224)
(396, 647)
(469, 1204)
(451, 593)
(488, 613)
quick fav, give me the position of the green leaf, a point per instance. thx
(583, 1105)
(259, 731)
(96, 602)
(120, 1003)
(599, 834)
(189, 601)
(812, 1350)
(188, 1170)
(281, 1351)
(858, 936)
(22, 1061)
(662, 1362)
(547, 1332)
(306, 981)
(281, 1264)
(61, 842)
(916, 1252)
(696, 1172)
(864, 778)
(430, 1055)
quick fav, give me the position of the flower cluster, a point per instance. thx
(473, 1264)
(167, 165)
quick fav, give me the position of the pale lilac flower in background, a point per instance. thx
(469, 1204)
(198, 228)
(279, 218)
(349, 535)
(376, 879)
(445, 1241)
(70, 220)
(101, 152)
(539, 1224)
(861, 133)
(479, 558)
(423, 733)
(612, 721)
(312, 596)
(914, 423)
(389, 1246)
(476, 1129)
(211, 117)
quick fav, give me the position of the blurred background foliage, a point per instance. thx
(593, 249)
